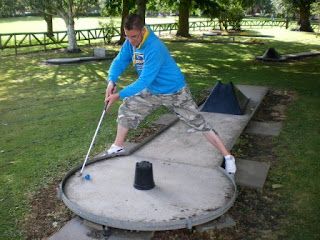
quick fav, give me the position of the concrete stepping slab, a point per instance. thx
(118, 234)
(77, 229)
(263, 128)
(74, 229)
(224, 221)
(251, 174)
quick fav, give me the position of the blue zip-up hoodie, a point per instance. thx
(157, 70)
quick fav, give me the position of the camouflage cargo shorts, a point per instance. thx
(136, 107)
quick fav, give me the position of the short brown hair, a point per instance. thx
(133, 21)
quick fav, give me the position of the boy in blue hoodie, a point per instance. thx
(159, 82)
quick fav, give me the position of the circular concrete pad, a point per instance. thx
(184, 196)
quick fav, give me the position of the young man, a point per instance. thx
(159, 82)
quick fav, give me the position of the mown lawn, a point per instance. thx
(37, 24)
(49, 114)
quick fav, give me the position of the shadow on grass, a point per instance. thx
(49, 113)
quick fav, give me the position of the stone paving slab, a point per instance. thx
(77, 229)
(264, 128)
(251, 173)
(73, 230)
(224, 221)
(118, 234)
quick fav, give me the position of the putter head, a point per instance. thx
(79, 174)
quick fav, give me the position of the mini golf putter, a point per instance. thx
(94, 136)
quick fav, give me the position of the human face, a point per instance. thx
(134, 36)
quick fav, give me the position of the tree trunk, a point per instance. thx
(141, 9)
(48, 19)
(72, 41)
(125, 13)
(294, 17)
(304, 18)
(183, 28)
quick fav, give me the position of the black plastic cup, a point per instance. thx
(143, 179)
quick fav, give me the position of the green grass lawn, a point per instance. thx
(37, 24)
(49, 114)
(32, 24)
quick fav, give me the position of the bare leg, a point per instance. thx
(215, 140)
(121, 135)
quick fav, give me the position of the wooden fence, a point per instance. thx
(19, 40)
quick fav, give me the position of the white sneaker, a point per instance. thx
(230, 164)
(115, 149)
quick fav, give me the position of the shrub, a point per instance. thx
(110, 29)
(235, 16)
(231, 15)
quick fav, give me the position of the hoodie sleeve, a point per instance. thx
(153, 61)
(121, 61)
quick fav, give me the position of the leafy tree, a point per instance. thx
(210, 8)
(304, 11)
(264, 5)
(126, 6)
(118, 8)
(9, 8)
(281, 7)
(162, 5)
(304, 8)
(315, 7)
(6, 8)
(141, 8)
(68, 10)
(43, 9)
(110, 29)
(183, 27)
(284, 9)
(123, 8)
(229, 12)
(235, 15)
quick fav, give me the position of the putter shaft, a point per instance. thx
(93, 139)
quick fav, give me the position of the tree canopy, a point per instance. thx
(67, 10)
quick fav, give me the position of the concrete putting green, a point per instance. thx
(191, 187)
(271, 55)
(99, 54)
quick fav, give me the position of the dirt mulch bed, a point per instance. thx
(47, 214)
(256, 212)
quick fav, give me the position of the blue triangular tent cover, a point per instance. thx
(225, 98)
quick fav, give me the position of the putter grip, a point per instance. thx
(107, 102)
